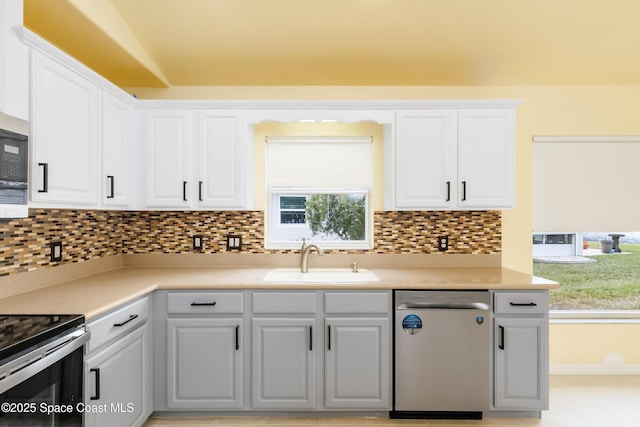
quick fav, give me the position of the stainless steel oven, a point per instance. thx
(41, 370)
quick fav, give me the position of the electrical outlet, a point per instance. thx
(56, 251)
(197, 243)
(234, 243)
(443, 243)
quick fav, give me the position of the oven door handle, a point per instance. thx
(28, 365)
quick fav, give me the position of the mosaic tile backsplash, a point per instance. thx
(88, 234)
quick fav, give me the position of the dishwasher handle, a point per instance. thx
(443, 306)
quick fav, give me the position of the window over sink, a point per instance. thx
(319, 189)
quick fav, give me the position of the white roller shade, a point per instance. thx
(319, 162)
(583, 184)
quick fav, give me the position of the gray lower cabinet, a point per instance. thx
(272, 350)
(204, 362)
(283, 363)
(204, 349)
(521, 355)
(118, 369)
(284, 349)
(357, 363)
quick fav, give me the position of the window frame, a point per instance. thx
(272, 213)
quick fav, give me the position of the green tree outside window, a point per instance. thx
(342, 215)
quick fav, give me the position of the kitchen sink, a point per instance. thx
(320, 275)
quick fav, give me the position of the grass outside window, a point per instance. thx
(610, 283)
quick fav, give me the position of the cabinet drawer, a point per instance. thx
(205, 303)
(117, 323)
(356, 303)
(521, 302)
(284, 302)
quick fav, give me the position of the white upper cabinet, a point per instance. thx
(14, 62)
(486, 158)
(454, 159)
(425, 159)
(117, 140)
(65, 135)
(220, 159)
(168, 136)
(194, 159)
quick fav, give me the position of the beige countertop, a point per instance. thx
(99, 293)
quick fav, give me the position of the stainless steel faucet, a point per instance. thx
(304, 255)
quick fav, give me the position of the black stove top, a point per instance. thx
(21, 332)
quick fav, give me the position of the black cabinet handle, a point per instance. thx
(523, 304)
(238, 337)
(200, 304)
(501, 343)
(200, 190)
(448, 191)
(131, 318)
(45, 178)
(111, 187)
(184, 191)
(97, 395)
(310, 338)
(329, 337)
(464, 190)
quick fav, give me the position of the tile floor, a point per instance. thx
(575, 401)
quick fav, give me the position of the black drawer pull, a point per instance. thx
(501, 344)
(131, 318)
(200, 304)
(238, 337)
(329, 337)
(97, 395)
(523, 304)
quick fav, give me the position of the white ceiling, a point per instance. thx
(347, 42)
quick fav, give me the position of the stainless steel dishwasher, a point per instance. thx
(442, 359)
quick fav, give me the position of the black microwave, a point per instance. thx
(14, 167)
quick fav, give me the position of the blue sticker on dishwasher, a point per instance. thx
(412, 324)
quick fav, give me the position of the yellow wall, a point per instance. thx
(594, 344)
(547, 110)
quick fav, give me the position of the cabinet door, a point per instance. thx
(357, 363)
(425, 159)
(486, 158)
(64, 135)
(220, 160)
(521, 363)
(204, 363)
(14, 62)
(283, 363)
(167, 151)
(117, 382)
(116, 151)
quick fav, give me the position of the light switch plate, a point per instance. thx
(234, 242)
(56, 252)
(197, 243)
